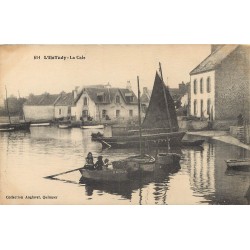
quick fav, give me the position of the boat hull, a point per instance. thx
(239, 164)
(168, 158)
(45, 124)
(15, 126)
(64, 126)
(154, 140)
(136, 164)
(106, 175)
(92, 126)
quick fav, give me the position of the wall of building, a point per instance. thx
(39, 112)
(232, 86)
(96, 110)
(79, 107)
(202, 96)
(62, 111)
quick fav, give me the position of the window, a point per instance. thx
(195, 86)
(69, 110)
(195, 107)
(104, 113)
(208, 106)
(201, 85)
(202, 108)
(131, 113)
(117, 99)
(85, 101)
(85, 113)
(208, 85)
(129, 98)
(117, 113)
(60, 111)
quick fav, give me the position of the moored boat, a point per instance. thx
(42, 124)
(239, 164)
(145, 163)
(97, 126)
(10, 129)
(167, 158)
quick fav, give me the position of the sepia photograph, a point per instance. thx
(155, 124)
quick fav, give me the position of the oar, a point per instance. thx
(108, 145)
(52, 176)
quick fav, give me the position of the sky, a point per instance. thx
(97, 64)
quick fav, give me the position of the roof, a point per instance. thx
(108, 93)
(214, 59)
(66, 99)
(42, 100)
(63, 99)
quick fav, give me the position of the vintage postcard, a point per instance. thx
(125, 124)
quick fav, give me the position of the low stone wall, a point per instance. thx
(223, 124)
(193, 125)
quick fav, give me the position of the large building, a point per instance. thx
(48, 107)
(102, 103)
(219, 87)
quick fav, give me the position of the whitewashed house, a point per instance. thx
(104, 103)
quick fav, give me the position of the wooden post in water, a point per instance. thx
(7, 106)
(139, 113)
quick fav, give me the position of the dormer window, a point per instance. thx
(100, 96)
(117, 99)
(129, 97)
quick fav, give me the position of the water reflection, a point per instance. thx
(202, 176)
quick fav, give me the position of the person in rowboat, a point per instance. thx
(99, 164)
(89, 162)
(89, 158)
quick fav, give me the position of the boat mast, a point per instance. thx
(7, 106)
(139, 112)
(166, 101)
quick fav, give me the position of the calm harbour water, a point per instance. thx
(28, 157)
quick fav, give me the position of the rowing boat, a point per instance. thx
(105, 175)
(44, 124)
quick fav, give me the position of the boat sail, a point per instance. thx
(160, 125)
(161, 115)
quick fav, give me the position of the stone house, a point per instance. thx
(219, 85)
(48, 107)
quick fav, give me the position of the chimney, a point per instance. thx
(145, 90)
(129, 87)
(75, 92)
(214, 47)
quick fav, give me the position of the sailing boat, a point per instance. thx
(8, 127)
(160, 126)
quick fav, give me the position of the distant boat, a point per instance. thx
(65, 125)
(16, 126)
(239, 164)
(100, 126)
(9, 129)
(160, 126)
(42, 124)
